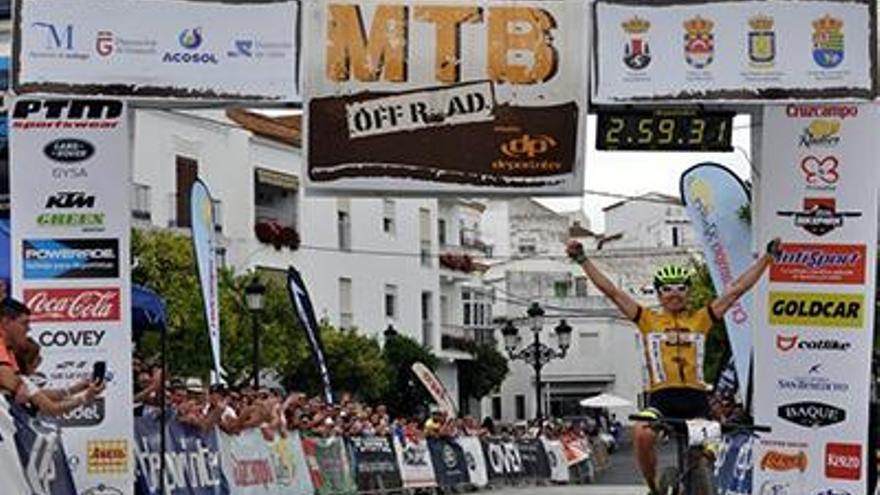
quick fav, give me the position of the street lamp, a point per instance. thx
(253, 295)
(390, 332)
(537, 353)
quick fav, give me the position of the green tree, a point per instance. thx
(481, 376)
(406, 394)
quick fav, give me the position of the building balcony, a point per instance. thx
(472, 240)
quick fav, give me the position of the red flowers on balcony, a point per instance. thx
(271, 232)
(457, 262)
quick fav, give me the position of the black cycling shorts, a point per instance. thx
(682, 403)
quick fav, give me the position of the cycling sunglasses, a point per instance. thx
(668, 288)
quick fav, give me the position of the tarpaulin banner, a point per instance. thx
(40, 467)
(414, 459)
(160, 49)
(204, 243)
(192, 458)
(734, 465)
(814, 310)
(450, 465)
(717, 50)
(466, 97)
(556, 458)
(503, 461)
(715, 199)
(305, 312)
(476, 462)
(375, 464)
(534, 458)
(70, 176)
(329, 466)
(254, 466)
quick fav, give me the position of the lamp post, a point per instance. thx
(537, 353)
(254, 293)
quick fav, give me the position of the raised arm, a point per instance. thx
(745, 281)
(627, 305)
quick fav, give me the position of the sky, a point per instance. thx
(632, 173)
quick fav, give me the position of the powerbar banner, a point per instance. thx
(716, 50)
(456, 97)
(70, 177)
(715, 197)
(814, 312)
(204, 243)
(160, 49)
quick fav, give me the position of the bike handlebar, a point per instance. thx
(679, 422)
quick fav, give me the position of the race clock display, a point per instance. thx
(664, 130)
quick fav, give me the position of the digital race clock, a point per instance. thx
(664, 130)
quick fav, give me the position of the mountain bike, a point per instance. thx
(693, 472)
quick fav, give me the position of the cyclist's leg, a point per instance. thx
(644, 440)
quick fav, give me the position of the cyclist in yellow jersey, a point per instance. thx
(673, 339)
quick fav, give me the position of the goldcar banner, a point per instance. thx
(160, 49)
(718, 50)
(814, 311)
(445, 97)
(70, 177)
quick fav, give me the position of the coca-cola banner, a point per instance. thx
(70, 182)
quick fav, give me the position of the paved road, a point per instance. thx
(623, 470)
(574, 490)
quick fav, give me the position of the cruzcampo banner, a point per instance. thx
(164, 49)
(204, 242)
(814, 309)
(458, 97)
(715, 199)
(719, 50)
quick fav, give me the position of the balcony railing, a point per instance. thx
(140, 202)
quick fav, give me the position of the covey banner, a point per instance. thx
(70, 177)
(814, 311)
(718, 50)
(204, 242)
(160, 49)
(714, 197)
(482, 96)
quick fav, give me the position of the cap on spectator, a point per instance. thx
(13, 308)
(194, 385)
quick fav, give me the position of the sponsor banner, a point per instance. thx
(714, 50)
(556, 458)
(215, 50)
(503, 460)
(819, 263)
(204, 243)
(814, 322)
(476, 463)
(192, 457)
(329, 466)
(714, 197)
(70, 179)
(450, 465)
(414, 460)
(534, 458)
(435, 387)
(734, 465)
(503, 80)
(817, 310)
(375, 464)
(305, 312)
(252, 465)
(70, 258)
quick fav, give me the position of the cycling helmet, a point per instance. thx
(672, 274)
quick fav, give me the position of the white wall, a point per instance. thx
(648, 224)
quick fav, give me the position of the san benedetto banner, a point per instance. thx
(721, 50)
(814, 311)
(457, 97)
(161, 48)
(70, 179)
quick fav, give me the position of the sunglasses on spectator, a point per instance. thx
(668, 288)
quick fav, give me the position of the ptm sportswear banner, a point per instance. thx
(814, 311)
(205, 247)
(461, 97)
(70, 178)
(715, 197)
(305, 312)
(159, 49)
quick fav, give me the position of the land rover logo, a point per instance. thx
(811, 414)
(69, 150)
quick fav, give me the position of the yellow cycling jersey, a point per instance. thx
(674, 346)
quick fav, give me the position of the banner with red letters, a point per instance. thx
(69, 174)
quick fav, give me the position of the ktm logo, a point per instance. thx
(528, 146)
(70, 200)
